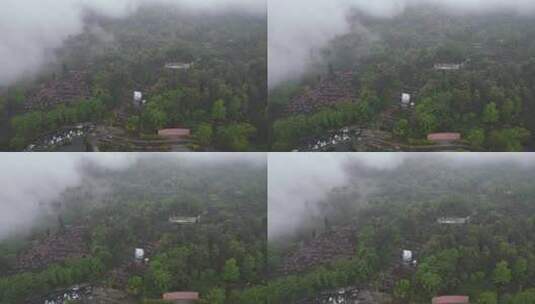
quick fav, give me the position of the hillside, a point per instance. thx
(202, 71)
(469, 74)
(89, 235)
(467, 226)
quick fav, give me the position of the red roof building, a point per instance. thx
(175, 133)
(185, 297)
(444, 137)
(451, 300)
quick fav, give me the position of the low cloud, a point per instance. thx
(31, 29)
(299, 27)
(298, 182)
(32, 181)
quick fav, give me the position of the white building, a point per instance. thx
(406, 100)
(406, 256)
(139, 254)
(138, 96)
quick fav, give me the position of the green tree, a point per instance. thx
(509, 140)
(158, 279)
(401, 129)
(231, 271)
(431, 282)
(402, 289)
(502, 274)
(153, 118)
(525, 297)
(490, 113)
(219, 111)
(234, 107)
(204, 134)
(520, 271)
(248, 268)
(426, 121)
(476, 137)
(135, 285)
(488, 297)
(508, 110)
(215, 296)
(235, 137)
(132, 124)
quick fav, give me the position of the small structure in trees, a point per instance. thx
(139, 254)
(448, 66)
(179, 65)
(184, 220)
(406, 102)
(181, 297)
(453, 220)
(138, 100)
(407, 257)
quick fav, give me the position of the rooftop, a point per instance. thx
(441, 137)
(184, 219)
(453, 220)
(174, 133)
(181, 295)
(178, 65)
(451, 300)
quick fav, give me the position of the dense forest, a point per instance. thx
(489, 257)
(88, 235)
(466, 73)
(202, 71)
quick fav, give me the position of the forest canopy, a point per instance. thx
(88, 234)
(390, 203)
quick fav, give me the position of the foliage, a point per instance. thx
(502, 274)
(401, 129)
(219, 111)
(231, 272)
(28, 126)
(229, 74)
(402, 289)
(289, 131)
(489, 258)
(235, 137)
(220, 250)
(488, 297)
(14, 289)
(490, 93)
(490, 114)
(509, 140)
(476, 137)
(135, 285)
(204, 134)
(215, 296)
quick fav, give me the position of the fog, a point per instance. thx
(298, 27)
(298, 182)
(33, 181)
(31, 29)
